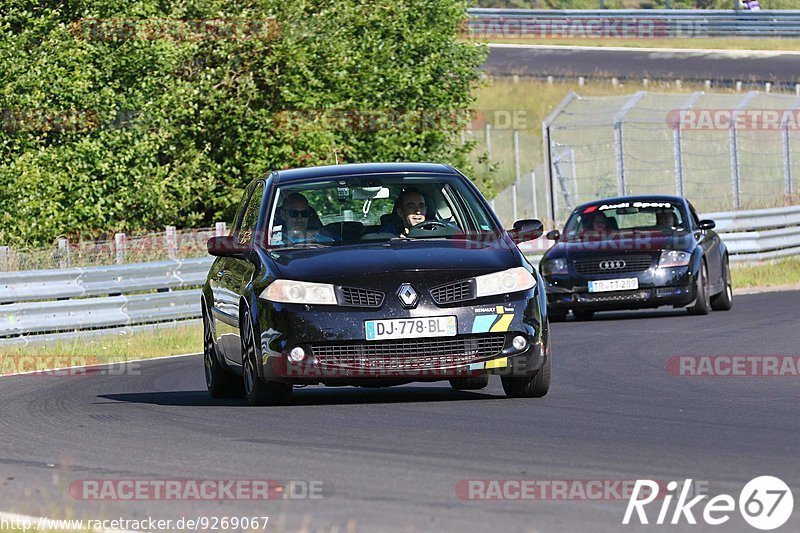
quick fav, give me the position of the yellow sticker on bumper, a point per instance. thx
(497, 363)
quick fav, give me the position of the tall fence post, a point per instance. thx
(489, 139)
(516, 176)
(220, 229)
(736, 184)
(677, 142)
(788, 188)
(514, 201)
(533, 194)
(63, 253)
(120, 243)
(171, 240)
(619, 141)
(548, 156)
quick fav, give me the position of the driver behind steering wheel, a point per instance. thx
(410, 209)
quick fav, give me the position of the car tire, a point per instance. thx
(220, 382)
(535, 385)
(702, 303)
(724, 300)
(256, 390)
(556, 315)
(472, 383)
(582, 314)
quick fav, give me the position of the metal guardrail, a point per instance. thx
(759, 235)
(625, 23)
(46, 301)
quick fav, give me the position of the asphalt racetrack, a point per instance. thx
(392, 459)
(718, 66)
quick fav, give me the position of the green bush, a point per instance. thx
(131, 124)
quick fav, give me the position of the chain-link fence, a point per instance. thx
(722, 151)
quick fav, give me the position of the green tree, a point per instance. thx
(117, 116)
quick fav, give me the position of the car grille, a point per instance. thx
(633, 263)
(361, 297)
(615, 296)
(416, 354)
(452, 292)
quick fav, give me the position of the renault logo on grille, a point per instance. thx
(612, 265)
(407, 295)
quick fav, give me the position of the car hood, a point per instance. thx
(456, 257)
(623, 244)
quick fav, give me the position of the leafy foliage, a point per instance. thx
(116, 115)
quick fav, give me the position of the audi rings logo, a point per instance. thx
(612, 265)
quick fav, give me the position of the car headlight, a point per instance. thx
(511, 280)
(673, 258)
(554, 266)
(299, 292)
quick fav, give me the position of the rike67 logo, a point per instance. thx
(765, 503)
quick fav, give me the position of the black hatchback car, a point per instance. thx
(372, 275)
(636, 252)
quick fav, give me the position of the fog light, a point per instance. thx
(519, 343)
(297, 354)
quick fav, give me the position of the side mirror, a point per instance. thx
(707, 224)
(526, 230)
(553, 235)
(226, 247)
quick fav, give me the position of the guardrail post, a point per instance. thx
(220, 229)
(171, 240)
(4, 253)
(119, 247)
(63, 253)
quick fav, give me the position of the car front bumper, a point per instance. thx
(333, 340)
(657, 287)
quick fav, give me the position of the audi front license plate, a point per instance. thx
(606, 285)
(409, 328)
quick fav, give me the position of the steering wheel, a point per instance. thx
(430, 225)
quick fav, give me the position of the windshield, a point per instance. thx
(607, 220)
(353, 210)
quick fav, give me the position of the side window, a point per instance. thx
(250, 217)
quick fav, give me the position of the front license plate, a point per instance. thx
(605, 285)
(409, 328)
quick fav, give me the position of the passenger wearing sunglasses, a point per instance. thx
(296, 215)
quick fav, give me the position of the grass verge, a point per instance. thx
(776, 273)
(140, 344)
